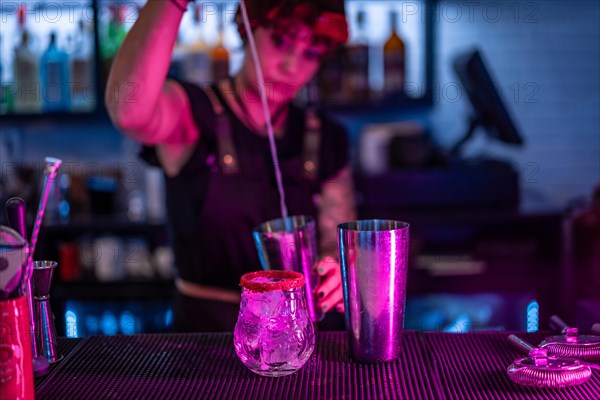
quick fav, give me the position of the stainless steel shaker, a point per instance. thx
(291, 245)
(374, 261)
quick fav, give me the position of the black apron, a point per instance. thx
(235, 191)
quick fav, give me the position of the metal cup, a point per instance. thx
(45, 329)
(291, 245)
(374, 261)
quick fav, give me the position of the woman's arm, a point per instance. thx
(139, 99)
(337, 205)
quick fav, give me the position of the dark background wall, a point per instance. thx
(545, 56)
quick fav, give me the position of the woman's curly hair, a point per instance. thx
(260, 12)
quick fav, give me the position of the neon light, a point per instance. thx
(169, 318)
(108, 324)
(91, 325)
(71, 324)
(533, 316)
(461, 324)
(127, 323)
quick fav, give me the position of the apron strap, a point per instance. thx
(312, 144)
(228, 160)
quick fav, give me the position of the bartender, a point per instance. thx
(212, 144)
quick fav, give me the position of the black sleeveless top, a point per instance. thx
(212, 214)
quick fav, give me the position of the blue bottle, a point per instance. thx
(54, 72)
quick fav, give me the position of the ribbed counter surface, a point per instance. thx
(473, 367)
(205, 366)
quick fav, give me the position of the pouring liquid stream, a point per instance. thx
(267, 113)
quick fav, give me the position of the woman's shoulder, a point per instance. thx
(196, 93)
(202, 105)
(176, 157)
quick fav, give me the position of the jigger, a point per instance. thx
(45, 329)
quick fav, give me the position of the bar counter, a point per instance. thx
(205, 366)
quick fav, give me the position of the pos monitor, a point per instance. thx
(489, 112)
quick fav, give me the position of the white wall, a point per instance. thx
(546, 60)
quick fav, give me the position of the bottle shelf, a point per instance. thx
(379, 104)
(125, 289)
(95, 224)
(108, 21)
(47, 58)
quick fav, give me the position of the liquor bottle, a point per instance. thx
(26, 66)
(82, 70)
(220, 58)
(356, 77)
(331, 76)
(54, 71)
(394, 59)
(116, 27)
(195, 57)
(113, 37)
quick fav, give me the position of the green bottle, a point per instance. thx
(113, 38)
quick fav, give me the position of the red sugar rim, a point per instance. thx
(286, 280)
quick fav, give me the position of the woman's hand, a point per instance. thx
(329, 290)
(336, 205)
